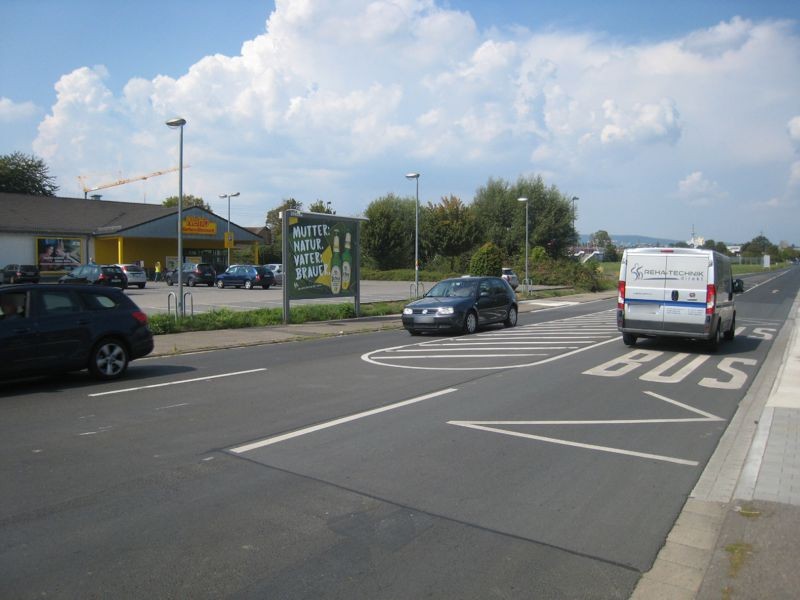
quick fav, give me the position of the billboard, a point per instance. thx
(59, 254)
(321, 256)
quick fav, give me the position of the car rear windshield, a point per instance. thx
(133, 268)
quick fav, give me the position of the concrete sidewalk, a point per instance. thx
(738, 535)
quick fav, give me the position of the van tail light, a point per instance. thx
(621, 296)
(139, 316)
(102, 277)
(711, 298)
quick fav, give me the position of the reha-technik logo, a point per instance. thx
(637, 271)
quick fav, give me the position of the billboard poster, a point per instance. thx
(59, 254)
(321, 256)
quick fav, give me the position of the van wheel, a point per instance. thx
(731, 333)
(248, 285)
(713, 343)
(628, 339)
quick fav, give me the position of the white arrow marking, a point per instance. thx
(704, 417)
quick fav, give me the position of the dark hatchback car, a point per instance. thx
(246, 276)
(192, 274)
(462, 304)
(46, 329)
(20, 274)
(108, 275)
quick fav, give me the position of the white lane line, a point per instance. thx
(158, 385)
(516, 354)
(452, 347)
(173, 406)
(335, 422)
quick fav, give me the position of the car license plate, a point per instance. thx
(423, 319)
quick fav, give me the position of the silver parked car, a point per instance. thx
(511, 278)
(277, 270)
(135, 274)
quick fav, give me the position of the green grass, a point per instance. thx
(225, 318)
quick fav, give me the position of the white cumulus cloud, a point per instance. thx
(14, 111)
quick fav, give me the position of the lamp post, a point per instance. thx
(229, 196)
(178, 123)
(573, 212)
(527, 281)
(415, 176)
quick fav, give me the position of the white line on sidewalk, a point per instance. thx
(335, 422)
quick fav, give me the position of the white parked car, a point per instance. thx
(136, 275)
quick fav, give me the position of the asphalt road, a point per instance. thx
(547, 460)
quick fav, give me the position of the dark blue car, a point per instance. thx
(46, 329)
(246, 276)
(462, 304)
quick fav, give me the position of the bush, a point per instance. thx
(488, 260)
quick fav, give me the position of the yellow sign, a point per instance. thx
(229, 239)
(199, 226)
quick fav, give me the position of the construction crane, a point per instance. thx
(86, 189)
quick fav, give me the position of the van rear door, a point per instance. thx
(644, 291)
(686, 283)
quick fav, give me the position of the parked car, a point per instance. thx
(109, 275)
(20, 274)
(462, 304)
(247, 276)
(510, 277)
(46, 329)
(192, 274)
(277, 270)
(136, 275)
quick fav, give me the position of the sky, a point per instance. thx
(661, 117)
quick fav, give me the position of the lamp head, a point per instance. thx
(522, 199)
(176, 122)
(412, 176)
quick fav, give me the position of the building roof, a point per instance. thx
(24, 213)
(20, 213)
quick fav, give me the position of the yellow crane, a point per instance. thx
(86, 189)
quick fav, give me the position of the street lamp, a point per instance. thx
(573, 213)
(527, 281)
(229, 196)
(415, 176)
(178, 122)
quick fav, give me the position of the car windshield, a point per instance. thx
(453, 288)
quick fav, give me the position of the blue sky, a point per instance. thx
(659, 116)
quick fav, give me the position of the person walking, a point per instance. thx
(157, 276)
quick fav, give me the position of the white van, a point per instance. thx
(678, 292)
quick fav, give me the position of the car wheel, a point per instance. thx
(220, 284)
(731, 333)
(169, 281)
(12, 279)
(511, 320)
(192, 282)
(109, 359)
(413, 332)
(248, 285)
(210, 284)
(141, 286)
(628, 339)
(470, 323)
(266, 286)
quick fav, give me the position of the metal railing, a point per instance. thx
(171, 296)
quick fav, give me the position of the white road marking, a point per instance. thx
(173, 406)
(158, 385)
(335, 422)
(704, 417)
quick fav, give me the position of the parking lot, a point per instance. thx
(155, 297)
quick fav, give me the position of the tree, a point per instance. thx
(23, 174)
(274, 251)
(759, 246)
(448, 229)
(387, 239)
(321, 207)
(188, 201)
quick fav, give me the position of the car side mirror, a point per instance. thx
(738, 286)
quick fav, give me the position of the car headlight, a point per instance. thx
(408, 311)
(445, 310)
